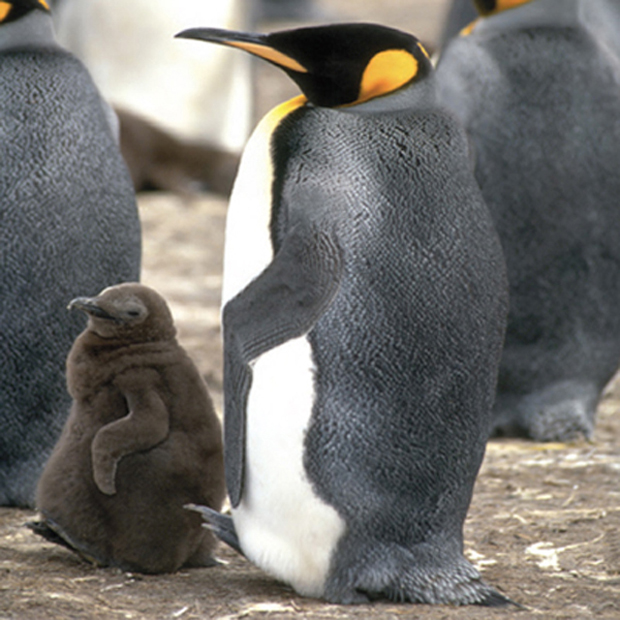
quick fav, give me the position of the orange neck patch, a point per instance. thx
(5, 7)
(468, 29)
(274, 117)
(44, 4)
(387, 71)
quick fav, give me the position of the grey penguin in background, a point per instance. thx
(364, 309)
(68, 226)
(538, 91)
(142, 440)
(460, 14)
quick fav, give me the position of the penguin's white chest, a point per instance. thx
(282, 524)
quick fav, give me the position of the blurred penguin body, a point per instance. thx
(199, 95)
(142, 441)
(539, 94)
(68, 224)
(460, 14)
(355, 420)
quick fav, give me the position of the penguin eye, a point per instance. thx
(133, 312)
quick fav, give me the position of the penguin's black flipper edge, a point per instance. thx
(283, 302)
(221, 525)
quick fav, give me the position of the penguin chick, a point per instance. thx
(537, 89)
(364, 298)
(69, 226)
(141, 441)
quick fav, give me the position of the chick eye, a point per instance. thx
(133, 313)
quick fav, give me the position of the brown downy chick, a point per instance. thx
(142, 440)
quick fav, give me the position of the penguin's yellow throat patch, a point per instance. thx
(386, 72)
(5, 7)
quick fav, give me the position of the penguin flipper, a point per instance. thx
(283, 302)
(146, 425)
(221, 525)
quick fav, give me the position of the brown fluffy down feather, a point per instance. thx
(141, 441)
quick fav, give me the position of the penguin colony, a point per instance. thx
(68, 226)
(538, 90)
(141, 442)
(364, 310)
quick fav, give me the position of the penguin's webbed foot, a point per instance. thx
(221, 525)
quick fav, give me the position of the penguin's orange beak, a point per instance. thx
(252, 43)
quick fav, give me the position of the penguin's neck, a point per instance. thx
(539, 13)
(418, 95)
(34, 30)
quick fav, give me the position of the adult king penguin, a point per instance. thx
(537, 86)
(365, 300)
(68, 226)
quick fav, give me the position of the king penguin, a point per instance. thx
(68, 226)
(364, 309)
(537, 86)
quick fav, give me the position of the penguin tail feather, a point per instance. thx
(494, 598)
(221, 525)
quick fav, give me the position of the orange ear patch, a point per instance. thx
(386, 72)
(44, 4)
(5, 7)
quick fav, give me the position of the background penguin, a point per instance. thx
(68, 225)
(364, 312)
(142, 440)
(460, 14)
(538, 91)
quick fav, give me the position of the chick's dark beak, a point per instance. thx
(89, 306)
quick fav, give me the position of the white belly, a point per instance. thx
(283, 526)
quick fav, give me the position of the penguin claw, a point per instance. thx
(221, 525)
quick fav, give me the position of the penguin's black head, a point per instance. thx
(13, 10)
(336, 65)
(488, 7)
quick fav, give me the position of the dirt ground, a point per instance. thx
(544, 524)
